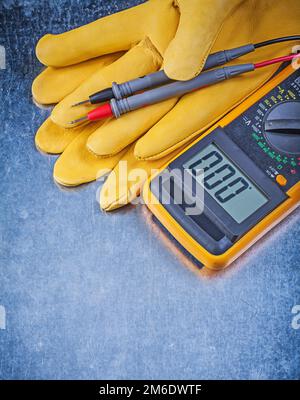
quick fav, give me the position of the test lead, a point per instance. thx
(115, 108)
(119, 91)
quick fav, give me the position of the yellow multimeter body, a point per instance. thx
(252, 179)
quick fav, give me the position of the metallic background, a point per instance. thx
(96, 296)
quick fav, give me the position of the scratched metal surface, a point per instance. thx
(97, 296)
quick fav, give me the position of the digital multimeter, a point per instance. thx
(251, 179)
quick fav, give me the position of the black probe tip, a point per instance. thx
(81, 103)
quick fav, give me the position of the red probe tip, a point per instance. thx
(76, 121)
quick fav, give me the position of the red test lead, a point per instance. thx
(277, 60)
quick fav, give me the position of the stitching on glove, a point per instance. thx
(97, 156)
(176, 5)
(148, 45)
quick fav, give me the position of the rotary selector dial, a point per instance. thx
(282, 127)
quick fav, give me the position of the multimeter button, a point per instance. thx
(281, 180)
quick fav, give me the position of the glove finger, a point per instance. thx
(110, 34)
(140, 60)
(114, 136)
(53, 139)
(53, 84)
(200, 23)
(199, 110)
(126, 181)
(77, 165)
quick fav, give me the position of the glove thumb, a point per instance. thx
(199, 26)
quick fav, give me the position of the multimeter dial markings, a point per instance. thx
(272, 129)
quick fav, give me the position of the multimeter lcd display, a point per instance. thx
(225, 183)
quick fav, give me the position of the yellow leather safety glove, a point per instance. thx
(177, 35)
